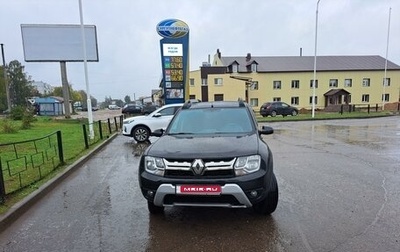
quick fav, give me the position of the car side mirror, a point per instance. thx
(157, 132)
(266, 130)
(157, 115)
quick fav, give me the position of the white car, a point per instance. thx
(140, 127)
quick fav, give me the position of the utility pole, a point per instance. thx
(6, 80)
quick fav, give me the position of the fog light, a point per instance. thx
(150, 194)
(253, 194)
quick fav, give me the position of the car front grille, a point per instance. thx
(215, 168)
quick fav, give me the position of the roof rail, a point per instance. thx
(189, 103)
(241, 103)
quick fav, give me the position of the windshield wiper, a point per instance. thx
(180, 133)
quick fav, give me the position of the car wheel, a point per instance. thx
(273, 113)
(140, 134)
(153, 209)
(269, 204)
(294, 113)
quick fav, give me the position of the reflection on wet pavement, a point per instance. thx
(338, 191)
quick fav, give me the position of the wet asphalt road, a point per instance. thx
(339, 185)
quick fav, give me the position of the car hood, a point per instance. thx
(204, 146)
(134, 118)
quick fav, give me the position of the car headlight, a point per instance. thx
(154, 165)
(128, 121)
(246, 165)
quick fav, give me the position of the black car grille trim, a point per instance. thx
(171, 199)
(183, 168)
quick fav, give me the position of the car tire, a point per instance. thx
(269, 204)
(294, 113)
(153, 209)
(141, 134)
(273, 113)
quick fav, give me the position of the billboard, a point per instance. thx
(55, 43)
(174, 59)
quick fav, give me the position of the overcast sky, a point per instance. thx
(129, 52)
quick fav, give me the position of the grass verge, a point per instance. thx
(73, 148)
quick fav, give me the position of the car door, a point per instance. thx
(162, 118)
(285, 109)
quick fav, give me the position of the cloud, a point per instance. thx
(129, 53)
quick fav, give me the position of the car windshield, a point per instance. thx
(211, 121)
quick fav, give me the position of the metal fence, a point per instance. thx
(26, 162)
(100, 130)
(23, 163)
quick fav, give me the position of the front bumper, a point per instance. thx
(228, 189)
(237, 192)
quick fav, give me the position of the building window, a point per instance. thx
(218, 81)
(254, 67)
(234, 68)
(365, 98)
(316, 100)
(294, 100)
(192, 97)
(295, 84)
(277, 85)
(385, 97)
(366, 82)
(387, 83)
(276, 99)
(348, 83)
(191, 82)
(254, 85)
(204, 82)
(218, 97)
(316, 83)
(333, 83)
(254, 102)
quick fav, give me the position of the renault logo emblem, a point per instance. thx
(198, 166)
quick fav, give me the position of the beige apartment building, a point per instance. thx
(348, 80)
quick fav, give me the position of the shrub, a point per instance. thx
(7, 127)
(17, 112)
(27, 119)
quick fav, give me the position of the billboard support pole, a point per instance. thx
(6, 80)
(65, 88)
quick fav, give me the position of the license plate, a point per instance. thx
(199, 189)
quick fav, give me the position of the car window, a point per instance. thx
(216, 120)
(167, 111)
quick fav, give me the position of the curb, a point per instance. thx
(22, 206)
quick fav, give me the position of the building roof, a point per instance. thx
(336, 92)
(306, 63)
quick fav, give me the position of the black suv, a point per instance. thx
(211, 155)
(277, 108)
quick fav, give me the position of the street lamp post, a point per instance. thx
(315, 60)
(89, 100)
(385, 81)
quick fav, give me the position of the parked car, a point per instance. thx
(132, 109)
(210, 155)
(113, 107)
(94, 108)
(278, 108)
(148, 108)
(140, 127)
